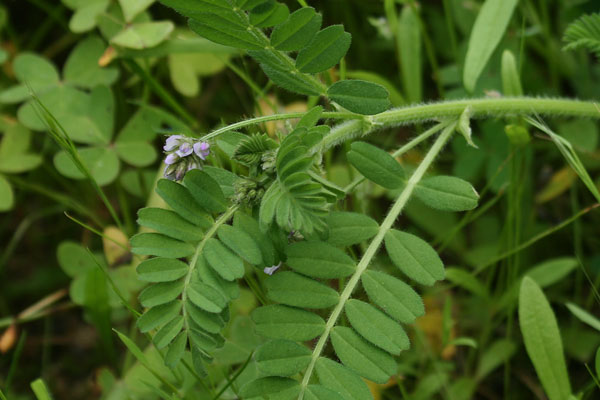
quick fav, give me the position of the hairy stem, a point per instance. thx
(387, 224)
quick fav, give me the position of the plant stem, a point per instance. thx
(387, 224)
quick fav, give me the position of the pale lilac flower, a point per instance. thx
(193, 165)
(271, 270)
(172, 142)
(202, 150)
(171, 159)
(185, 149)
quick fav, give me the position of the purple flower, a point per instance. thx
(271, 270)
(172, 142)
(171, 159)
(202, 150)
(185, 149)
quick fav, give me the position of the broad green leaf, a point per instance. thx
(542, 340)
(212, 323)
(394, 297)
(282, 322)
(376, 165)
(494, 356)
(176, 350)
(156, 244)
(158, 316)
(376, 327)
(241, 243)
(179, 198)
(36, 71)
(102, 162)
(342, 380)
(319, 392)
(490, 25)
(160, 293)
(447, 193)
(396, 97)
(584, 316)
(74, 259)
(364, 358)
(414, 256)
(511, 83)
(206, 297)
(138, 154)
(205, 191)
(84, 17)
(7, 197)
(348, 228)
(228, 289)
(159, 269)
(319, 260)
(14, 158)
(268, 14)
(204, 342)
(131, 8)
(169, 223)
(249, 225)
(167, 333)
(325, 50)
(220, 30)
(282, 358)
(361, 97)
(311, 118)
(143, 35)
(82, 69)
(467, 281)
(222, 260)
(295, 33)
(408, 39)
(296, 290)
(226, 179)
(296, 83)
(272, 387)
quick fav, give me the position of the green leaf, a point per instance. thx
(138, 154)
(584, 33)
(409, 43)
(84, 17)
(212, 323)
(282, 322)
(414, 256)
(74, 259)
(160, 293)
(348, 228)
(467, 281)
(358, 96)
(169, 223)
(325, 50)
(143, 35)
(447, 193)
(395, 297)
(292, 289)
(494, 356)
(176, 350)
(376, 165)
(206, 297)
(40, 390)
(396, 97)
(511, 83)
(282, 358)
(7, 197)
(82, 69)
(36, 71)
(250, 150)
(241, 243)
(268, 14)
(297, 31)
(158, 316)
(155, 244)
(552, 271)
(584, 316)
(364, 358)
(319, 260)
(490, 25)
(376, 327)
(272, 387)
(167, 333)
(131, 8)
(181, 201)
(542, 340)
(319, 392)
(342, 380)
(222, 260)
(205, 191)
(296, 83)
(159, 269)
(102, 162)
(220, 30)
(228, 289)
(311, 118)
(226, 179)
(249, 225)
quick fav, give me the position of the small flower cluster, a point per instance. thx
(247, 192)
(183, 154)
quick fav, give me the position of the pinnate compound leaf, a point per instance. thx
(394, 297)
(364, 358)
(376, 327)
(282, 358)
(542, 340)
(178, 197)
(271, 387)
(158, 316)
(490, 25)
(584, 33)
(348, 228)
(161, 270)
(293, 289)
(325, 50)
(222, 260)
(319, 260)
(297, 31)
(283, 322)
(155, 244)
(359, 96)
(342, 380)
(376, 165)
(205, 190)
(447, 193)
(169, 223)
(241, 243)
(414, 256)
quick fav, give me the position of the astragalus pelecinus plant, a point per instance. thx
(330, 317)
